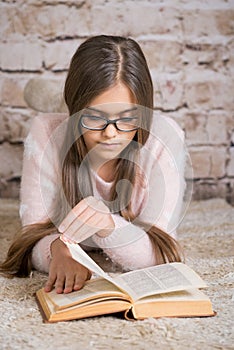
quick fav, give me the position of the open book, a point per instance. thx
(168, 290)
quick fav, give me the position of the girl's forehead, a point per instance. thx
(113, 108)
(115, 96)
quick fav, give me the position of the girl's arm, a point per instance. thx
(38, 192)
(128, 245)
(38, 185)
(91, 218)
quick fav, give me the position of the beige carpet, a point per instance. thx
(207, 234)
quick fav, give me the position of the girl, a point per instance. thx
(108, 176)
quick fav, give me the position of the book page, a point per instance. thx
(159, 279)
(83, 258)
(144, 282)
(182, 295)
(93, 290)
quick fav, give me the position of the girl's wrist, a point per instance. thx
(57, 246)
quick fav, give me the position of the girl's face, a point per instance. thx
(115, 103)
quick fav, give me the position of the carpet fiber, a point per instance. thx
(207, 235)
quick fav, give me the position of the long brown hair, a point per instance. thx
(98, 64)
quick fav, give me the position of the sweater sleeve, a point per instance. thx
(128, 245)
(38, 187)
(41, 253)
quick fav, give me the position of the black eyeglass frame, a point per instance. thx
(108, 122)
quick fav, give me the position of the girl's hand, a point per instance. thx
(65, 273)
(88, 217)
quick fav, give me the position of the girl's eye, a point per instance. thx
(129, 119)
(93, 117)
(93, 121)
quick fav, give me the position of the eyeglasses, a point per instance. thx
(96, 122)
(92, 122)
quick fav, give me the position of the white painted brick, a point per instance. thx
(217, 127)
(44, 21)
(206, 128)
(14, 124)
(207, 22)
(57, 55)
(168, 90)
(163, 54)
(132, 18)
(213, 56)
(11, 156)
(12, 91)
(230, 166)
(18, 56)
(195, 128)
(208, 162)
(208, 90)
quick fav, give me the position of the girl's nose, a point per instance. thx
(110, 131)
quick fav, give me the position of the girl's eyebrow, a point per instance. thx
(100, 111)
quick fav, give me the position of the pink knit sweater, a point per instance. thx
(155, 200)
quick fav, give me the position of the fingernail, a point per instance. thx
(61, 228)
(47, 289)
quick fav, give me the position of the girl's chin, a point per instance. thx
(106, 150)
(106, 155)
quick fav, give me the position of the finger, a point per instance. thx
(59, 284)
(93, 225)
(79, 225)
(84, 233)
(79, 282)
(50, 284)
(72, 215)
(69, 284)
(87, 203)
(69, 219)
(78, 231)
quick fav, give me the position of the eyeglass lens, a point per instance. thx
(95, 120)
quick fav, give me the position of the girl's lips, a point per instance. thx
(109, 145)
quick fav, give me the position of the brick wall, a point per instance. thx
(189, 46)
